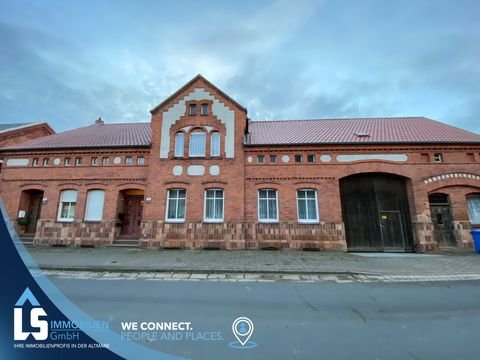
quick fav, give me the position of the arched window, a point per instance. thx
(307, 206)
(94, 206)
(197, 144)
(179, 144)
(215, 144)
(66, 207)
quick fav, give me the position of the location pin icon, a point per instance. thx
(242, 328)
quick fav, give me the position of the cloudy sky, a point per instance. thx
(69, 62)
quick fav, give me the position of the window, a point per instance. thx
(105, 161)
(66, 208)
(307, 206)
(204, 109)
(260, 159)
(140, 160)
(192, 110)
(267, 205)
(298, 158)
(473, 202)
(45, 162)
(213, 205)
(311, 158)
(128, 160)
(67, 161)
(94, 207)
(197, 144)
(179, 144)
(35, 161)
(215, 145)
(176, 205)
(94, 161)
(273, 159)
(78, 161)
(437, 157)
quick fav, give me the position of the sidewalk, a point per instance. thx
(458, 262)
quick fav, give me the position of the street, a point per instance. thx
(294, 320)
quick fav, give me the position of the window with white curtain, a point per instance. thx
(213, 205)
(307, 206)
(179, 144)
(215, 145)
(267, 205)
(473, 202)
(197, 144)
(66, 207)
(94, 207)
(176, 205)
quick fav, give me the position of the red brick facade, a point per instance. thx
(21, 133)
(137, 189)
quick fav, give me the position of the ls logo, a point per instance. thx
(35, 314)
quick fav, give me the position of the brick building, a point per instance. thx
(20, 132)
(202, 175)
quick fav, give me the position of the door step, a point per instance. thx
(27, 239)
(127, 241)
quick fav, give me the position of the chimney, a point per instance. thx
(99, 121)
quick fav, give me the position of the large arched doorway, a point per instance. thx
(376, 212)
(442, 219)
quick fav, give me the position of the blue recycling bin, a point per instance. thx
(476, 239)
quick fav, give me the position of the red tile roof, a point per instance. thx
(358, 130)
(98, 135)
(280, 132)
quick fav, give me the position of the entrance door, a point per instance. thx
(33, 213)
(391, 228)
(442, 220)
(133, 210)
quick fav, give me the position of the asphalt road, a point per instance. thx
(438, 320)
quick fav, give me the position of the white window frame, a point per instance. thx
(94, 161)
(67, 161)
(45, 161)
(89, 217)
(269, 220)
(179, 150)
(35, 162)
(216, 135)
(60, 206)
(128, 160)
(78, 161)
(140, 160)
(197, 134)
(213, 220)
(438, 157)
(308, 221)
(470, 217)
(167, 207)
(105, 161)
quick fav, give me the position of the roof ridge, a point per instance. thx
(351, 118)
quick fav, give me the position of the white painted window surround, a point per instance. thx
(218, 109)
(94, 207)
(66, 207)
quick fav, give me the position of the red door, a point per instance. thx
(133, 209)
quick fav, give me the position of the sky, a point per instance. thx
(70, 62)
